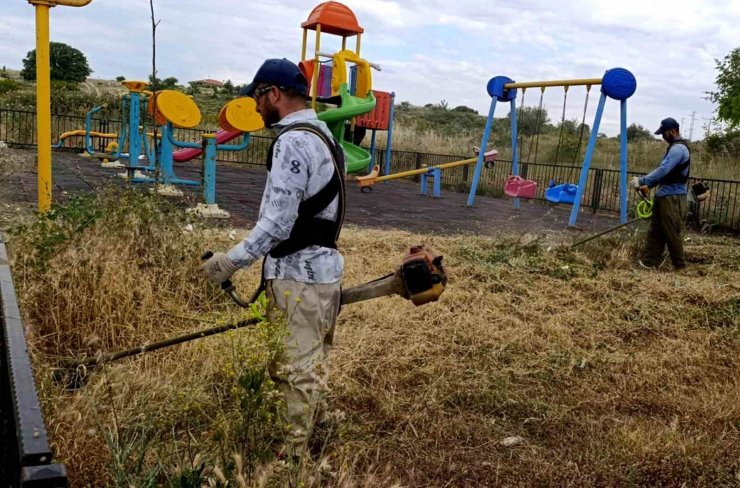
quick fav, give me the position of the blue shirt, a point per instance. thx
(678, 154)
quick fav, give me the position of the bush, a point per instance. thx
(7, 85)
(724, 144)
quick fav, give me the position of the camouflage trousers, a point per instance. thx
(666, 229)
(301, 371)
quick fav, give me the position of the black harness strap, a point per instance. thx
(676, 174)
(309, 230)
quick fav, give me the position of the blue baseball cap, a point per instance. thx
(279, 72)
(667, 124)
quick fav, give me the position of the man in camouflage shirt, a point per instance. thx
(299, 222)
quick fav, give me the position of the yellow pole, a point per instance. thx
(43, 107)
(413, 172)
(316, 66)
(344, 43)
(357, 47)
(43, 96)
(542, 84)
(305, 40)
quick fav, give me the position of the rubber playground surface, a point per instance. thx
(392, 205)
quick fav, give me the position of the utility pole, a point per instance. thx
(691, 130)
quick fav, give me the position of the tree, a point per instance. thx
(67, 64)
(120, 78)
(727, 96)
(228, 87)
(637, 132)
(530, 120)
(169, 83)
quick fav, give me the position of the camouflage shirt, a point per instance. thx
(301, 166)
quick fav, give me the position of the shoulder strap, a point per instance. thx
(307, 229)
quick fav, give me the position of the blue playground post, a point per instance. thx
(587, 161)
(134, 140)
(166, 164)
(389, 141)
(497, 92)
(437, 183)
(209, 164)
(514, 152)
(481, 153)
(623, 162)
(209, 169)
(618, 84)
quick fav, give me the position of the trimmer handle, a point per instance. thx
(227, 285)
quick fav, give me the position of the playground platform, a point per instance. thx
(391, 205)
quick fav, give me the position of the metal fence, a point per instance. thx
(721, 209)
(25, 456)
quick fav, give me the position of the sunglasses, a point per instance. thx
(261, 91)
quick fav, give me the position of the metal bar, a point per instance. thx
(583, 241)
(389, 140)
(31, 455)
(587, 161)
(542, 84)
(43, 108)
(515, 156)
(623, 162)
(482, 152)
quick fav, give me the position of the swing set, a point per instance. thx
(617, 83)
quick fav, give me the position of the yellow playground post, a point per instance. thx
(43, 95)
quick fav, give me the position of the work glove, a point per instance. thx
(218, 268)
(635, 182)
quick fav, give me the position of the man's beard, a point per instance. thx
(271, 117)
(669, 138)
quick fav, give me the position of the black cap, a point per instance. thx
(667, 124)
(279, 72)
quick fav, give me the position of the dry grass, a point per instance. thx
(600, 373)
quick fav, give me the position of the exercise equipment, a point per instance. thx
(177, 110)
(616, 83)
(420, 278)
(87, 132)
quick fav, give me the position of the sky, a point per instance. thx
(428, 50)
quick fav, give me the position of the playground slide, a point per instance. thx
(222, 137)
(357, 158)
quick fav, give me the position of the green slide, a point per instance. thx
(358, 159)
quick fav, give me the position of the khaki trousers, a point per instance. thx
(300, 372)
(666, 229)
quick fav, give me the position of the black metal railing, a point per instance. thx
(721, 209)
(25, 456)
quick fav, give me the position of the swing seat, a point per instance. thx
(518, 187)
(564, 193)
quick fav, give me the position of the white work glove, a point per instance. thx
(635, 182)
(218, 268)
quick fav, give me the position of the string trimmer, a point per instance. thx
(644, 210)
(420, 278)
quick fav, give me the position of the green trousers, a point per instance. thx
(666, 229)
